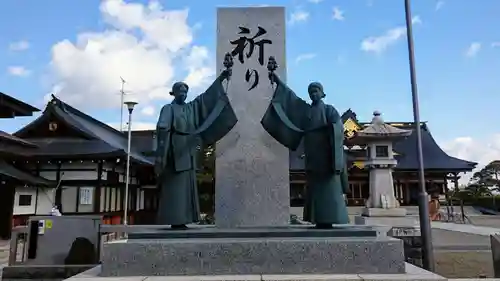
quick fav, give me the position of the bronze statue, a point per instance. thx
(181, 128)
(289, 119)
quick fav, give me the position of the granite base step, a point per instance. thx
(249, 256)
(209, 232)
(411, 273)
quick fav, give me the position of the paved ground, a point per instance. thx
(448, 239)
(4, 251)
(461, 254)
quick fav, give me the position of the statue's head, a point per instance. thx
(315, 90)
(179, 91)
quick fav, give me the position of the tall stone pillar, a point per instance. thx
(252, 172)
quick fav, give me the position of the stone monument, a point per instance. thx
(252, 235)
(379, 138)
(251, 179)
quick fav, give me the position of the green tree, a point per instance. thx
(485, 181)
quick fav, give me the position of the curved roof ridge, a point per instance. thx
(434, 156)
(442, 150)
(65, 106)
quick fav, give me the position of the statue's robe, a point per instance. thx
(180, 129)
(289, 119)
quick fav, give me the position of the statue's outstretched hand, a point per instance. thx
(271, 67)
(226, 74)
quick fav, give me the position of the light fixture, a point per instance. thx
(130, 105)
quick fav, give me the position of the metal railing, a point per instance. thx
(459, 218)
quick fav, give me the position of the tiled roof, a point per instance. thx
(106, 137)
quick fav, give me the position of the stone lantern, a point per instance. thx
(378, 138)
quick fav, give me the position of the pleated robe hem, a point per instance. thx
(325, 203)
(178, 202)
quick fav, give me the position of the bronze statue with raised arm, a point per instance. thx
(182, 127)
(290, 120)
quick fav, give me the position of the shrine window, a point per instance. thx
(382, 151)
(25, 200)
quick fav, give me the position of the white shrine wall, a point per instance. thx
(41, 200)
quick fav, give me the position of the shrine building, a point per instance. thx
(70, 159)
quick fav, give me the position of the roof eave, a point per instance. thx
(414, 169)
(24, 109)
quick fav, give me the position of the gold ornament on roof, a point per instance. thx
(350, 128)
(52, 126)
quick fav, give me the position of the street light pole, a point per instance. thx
(130, 106)
(423, 209)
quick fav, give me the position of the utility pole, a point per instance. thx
(423, 206)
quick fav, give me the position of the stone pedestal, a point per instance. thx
(380, 212)
(388, 221)
(382, 203)
(381, 181)
(252, 169)
(270, 254)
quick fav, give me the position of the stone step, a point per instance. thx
(411, 273)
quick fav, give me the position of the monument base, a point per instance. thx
(383, 255)
(290, 250)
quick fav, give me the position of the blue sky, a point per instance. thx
(457, 46)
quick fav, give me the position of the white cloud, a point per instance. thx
(298, 16)
(148, 110)
(19, 46)
(495, 44)
(144, 44)
(315, 1)
(304, 57)
(18, 71)
(378, 44)
(136, 126)
(473, 49)
(200, 68)
(439, 5)
(482, 151)
(338, 14)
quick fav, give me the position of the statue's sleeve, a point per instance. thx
(336, 140)
(162, 130)
(284, 115)
(213, 113)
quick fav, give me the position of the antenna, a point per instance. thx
(122, 95)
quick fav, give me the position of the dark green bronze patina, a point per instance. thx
(181, 128)
(289, 119)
